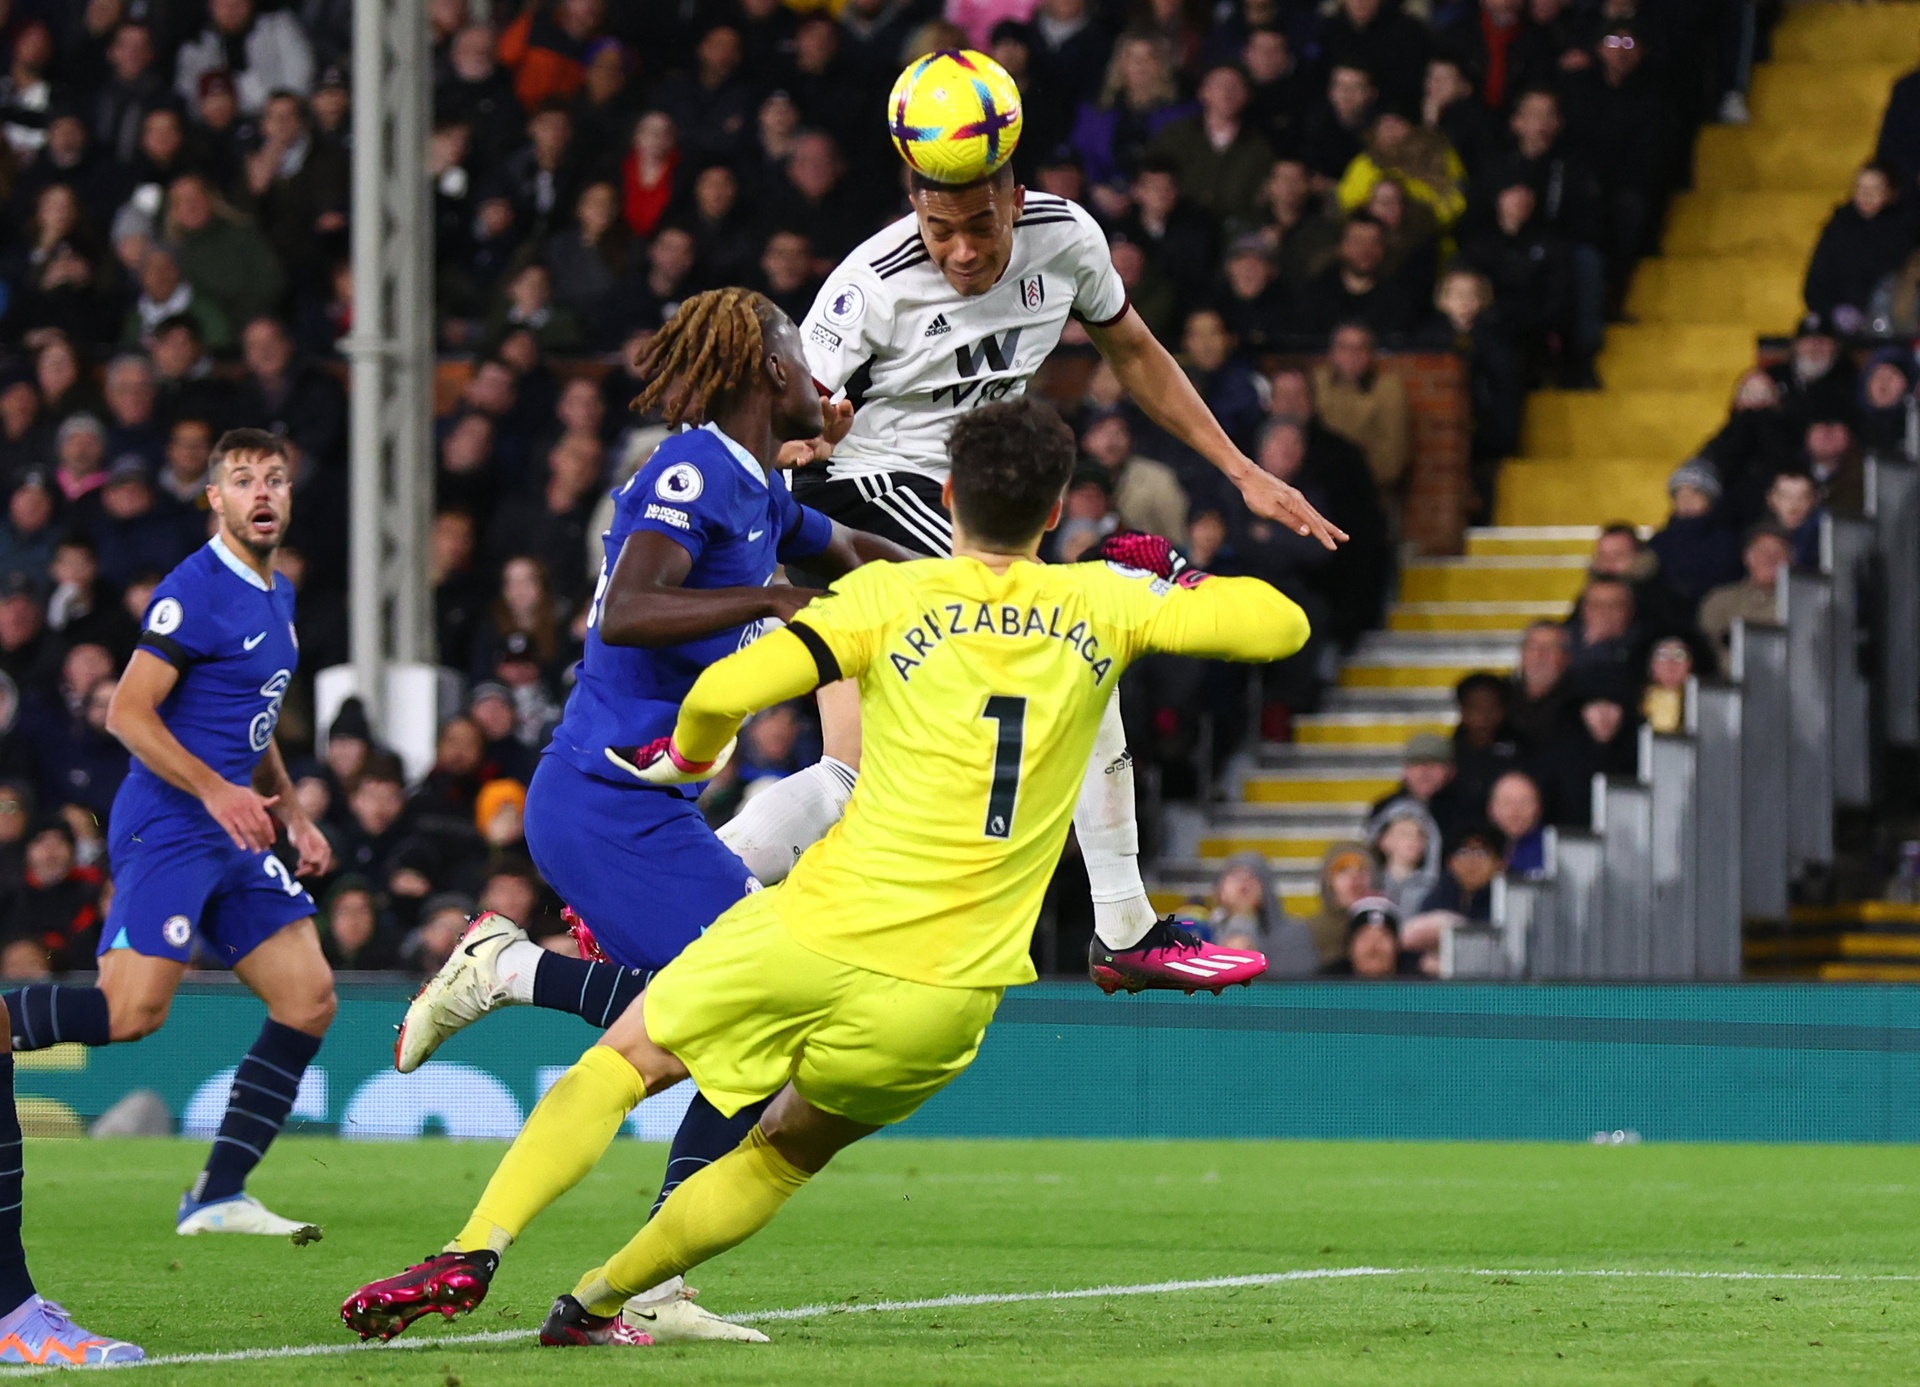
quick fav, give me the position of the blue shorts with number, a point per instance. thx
(637, 863)
(167, 888)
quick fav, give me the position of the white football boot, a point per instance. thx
(240, 1214)
(669, 1314)
(466, 988)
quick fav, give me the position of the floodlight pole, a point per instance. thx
(390, 347)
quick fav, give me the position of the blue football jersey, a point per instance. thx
(231, 638)
(707, 494)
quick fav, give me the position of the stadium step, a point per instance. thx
(1704, 357)
(1757, 158)
(1471, 616)
(1496, 541)
(1780, 222)
(1848, 34)
(1759, 292)
(1350, 731)
(1844, 95)
(1514, 578)
(1564, 491)
(1620, 423)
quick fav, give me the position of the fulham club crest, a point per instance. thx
(1033, 293)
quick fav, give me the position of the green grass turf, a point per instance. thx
(906, 1219)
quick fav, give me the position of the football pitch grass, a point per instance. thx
(1357, 1263)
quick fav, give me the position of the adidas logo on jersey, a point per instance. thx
(938, 325)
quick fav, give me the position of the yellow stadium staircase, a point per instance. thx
(1731, 266)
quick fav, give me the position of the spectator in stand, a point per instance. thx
(525, 608)
(139, 530)
(27, 537)
(1220, 162)
(1376, 36)
(1834, 463)
(221, 256)
(1337, 127)
(263, 54)
(1137, 102)
(1464, 893)
(473, 92)
(130, 398)
(1086, 517)
(1617, 119)
(1600, 740)
(1767, 553)
(492, 708)
(1889, 412)
(1177, 237)
(354, 933)
(713, 105)
(1619, 553)
(1354, 287)
(1793, 505)
(1698, 549)
(528, 302)
(656, 296)
(376, 806)
(26, 95)
(97, 183)
(1297, 229)
(28, 656)
(183, 477)
(1069, 58)
(1419, 159)
(545, 48)
(1465, 323)
(1279, 87)
(1222, 378)
(1756, 441)
(444, 917)
(58, 903)
(219, 129)
(1247, 915)
(1347, 875)
(1496, 44)
(62, 275)
(1604, 629)
(1373, 944)
(1540, 683)
(80, 468)
(1514, 807)
(1412, 242)
(1366, 405)
(1867, 238)
(1484, 746)
(1531, 273)
(1147, 495)
(25, 439)
(1818, 380)
(81, 763)
(540, 177)
(292, 398)
(1406, 844)
(727, 238)
(445, 800)
(786, 273)
(1669, 667)
(166, 297)
(815, 200)
(1251, 304)
(1448, 107)
(1426, 776)
(296, 191)
(556, 532)
(83, 609)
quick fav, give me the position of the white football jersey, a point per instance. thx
(890, 334)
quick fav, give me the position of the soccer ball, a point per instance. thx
(955, 116)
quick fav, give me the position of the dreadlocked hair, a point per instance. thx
(709, 350)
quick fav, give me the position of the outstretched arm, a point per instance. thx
(851, 548)
(645, 604)
(779, 666)
(1162, 389)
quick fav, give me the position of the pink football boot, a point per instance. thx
(1172, 959)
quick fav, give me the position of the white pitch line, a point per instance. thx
(802, 1312)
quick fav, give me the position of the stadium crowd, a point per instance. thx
(1293, 192)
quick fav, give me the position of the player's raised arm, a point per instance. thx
(1189, 612)
(134, 717)
(850, 548)
(1161, 388)
(645, 603)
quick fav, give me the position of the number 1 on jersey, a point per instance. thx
(1011, 715)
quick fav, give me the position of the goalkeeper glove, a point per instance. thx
(1149, 553)
(659, 762)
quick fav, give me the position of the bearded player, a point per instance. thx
(950, 308)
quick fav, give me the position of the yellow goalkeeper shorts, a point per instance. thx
(748, 1008)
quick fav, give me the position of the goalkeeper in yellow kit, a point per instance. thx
(860, 987)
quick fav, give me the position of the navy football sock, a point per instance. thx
(15, 1284)
(264, 1087)
(705, 1135)
(48, 1014)
(595, 992)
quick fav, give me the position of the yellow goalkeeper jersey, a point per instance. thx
(980, 694)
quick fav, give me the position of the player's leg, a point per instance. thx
(718, 1208)
(33, 1329)
(639, 867)
(144, 946)
(288, 972)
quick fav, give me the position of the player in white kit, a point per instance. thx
(955, 306)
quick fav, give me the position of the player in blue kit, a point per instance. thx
(192, 832)
(697, 534)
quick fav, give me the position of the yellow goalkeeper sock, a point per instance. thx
(564, 1138)
(717, 1208)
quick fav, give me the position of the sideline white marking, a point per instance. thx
(802, 1312)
